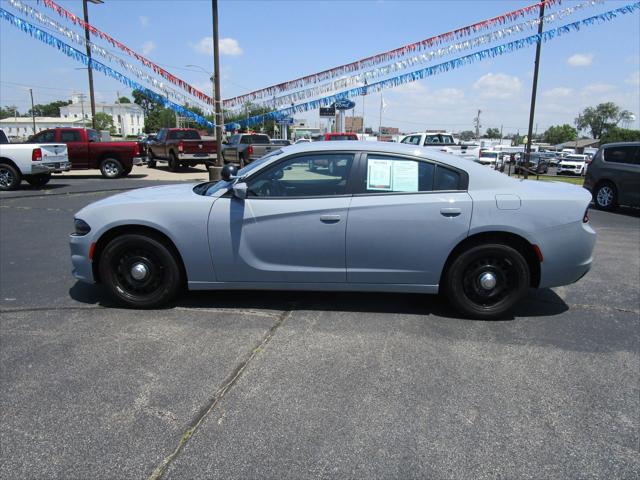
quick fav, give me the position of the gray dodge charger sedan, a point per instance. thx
(342, 216)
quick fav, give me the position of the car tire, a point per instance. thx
(174, 165)
(151, 159)
(485, 281)
(127, 171)
(38, 180)
(605, 197)
(10, 177)
(140, 271)
(111, 168)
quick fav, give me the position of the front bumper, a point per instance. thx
(54, 167)
(82, 267)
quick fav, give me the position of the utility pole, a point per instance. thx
(214, 173)
(534, 89)
(33, 113)
(476, 122)
(89, 69)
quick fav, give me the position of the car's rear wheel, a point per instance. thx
(10, 177)
(38, 180)
(605, 196)
(140, 271)
(111, 168)
(486, 281)
(151, 159)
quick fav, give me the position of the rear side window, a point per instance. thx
(45, 137)
(623, 154)
(69, 136)
(3, 137)
(387, 174)
(447, 179)
(93, 136)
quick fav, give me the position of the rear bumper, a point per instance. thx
(54, 167)
(197, 157)
(568, 254)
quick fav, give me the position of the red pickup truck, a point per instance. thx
(114, 159)
(180, 147)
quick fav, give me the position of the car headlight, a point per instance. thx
(81, 227)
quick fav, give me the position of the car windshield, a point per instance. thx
(210, 188)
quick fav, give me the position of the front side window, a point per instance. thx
(412, 140)
(622, 154)
(67, 136)
(317, 175)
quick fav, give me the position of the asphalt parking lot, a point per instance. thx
(308, 385)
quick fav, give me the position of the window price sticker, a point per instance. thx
(392, 175)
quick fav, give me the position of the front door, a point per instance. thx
(405, 217)
(290, 228)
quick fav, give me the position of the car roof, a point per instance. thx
(621, 144)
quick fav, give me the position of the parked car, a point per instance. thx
(572, 164)
(335, 136)
(396, 218)
(538, 163)
(492, 159)
(613, 177)
(85, 150)
(280, 142)
(244, 148)
(180, 147)
(32, 163)
(303, 140)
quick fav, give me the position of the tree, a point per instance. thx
(148, 105)
(9, 111)
(517, 140)
(601, 118)
(124, 100)
(104, 121)
(617, 134)
(559, 134)
(49, 109)
(492, 133)
(467, 135)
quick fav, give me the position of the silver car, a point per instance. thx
(389, 218)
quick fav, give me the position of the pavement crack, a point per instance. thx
(229, 382)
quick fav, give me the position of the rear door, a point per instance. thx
(623, 163)
(290, 228)
(77, 149)
(406, 215)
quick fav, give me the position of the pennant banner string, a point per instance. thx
(444, 67)
(371, 75)
(71, 52)
(389, 55)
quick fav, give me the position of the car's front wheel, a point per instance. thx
(605, 197)
(486, 281)
(140, 271)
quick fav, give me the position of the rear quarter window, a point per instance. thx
(623, 154)
(447, 179)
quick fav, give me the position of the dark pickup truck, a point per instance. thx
(85, 150)
(180, 147)
(244, 148)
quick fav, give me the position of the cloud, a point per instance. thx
(144, 21)
(633, 79)
(597, 89)
(557, 92)
(498, 85)
(148, 47)
(228, 46)
(580, 60)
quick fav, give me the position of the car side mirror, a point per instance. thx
(229, 172)
(240, 190)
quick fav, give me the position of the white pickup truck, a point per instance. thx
(443, 141)
(32, 162)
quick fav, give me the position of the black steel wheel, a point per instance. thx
(10, 177)
(486, 281)
(38, 180)
(140, 271)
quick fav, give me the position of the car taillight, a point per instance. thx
(36, 155)
(181, 146)
(250, 150)
(137, 150)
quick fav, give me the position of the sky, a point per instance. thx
(267, 42)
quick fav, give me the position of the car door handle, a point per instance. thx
(330, 218)
(450, 212)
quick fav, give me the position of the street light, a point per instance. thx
(89, 69)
